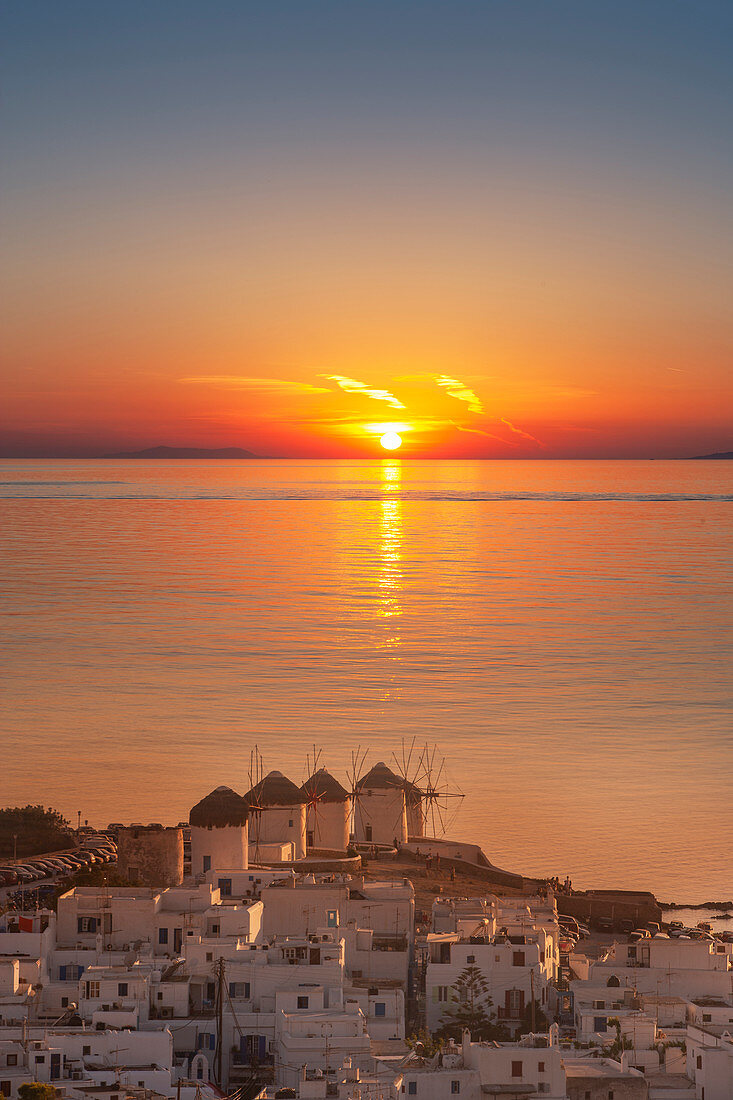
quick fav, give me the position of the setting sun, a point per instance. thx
(391, 441)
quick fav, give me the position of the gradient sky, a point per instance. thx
(503, 226)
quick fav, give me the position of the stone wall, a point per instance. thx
(150, 855)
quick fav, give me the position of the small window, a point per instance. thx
(64, 1002)
(706, 1017)
(610, 1094)
(412, 1088)
(518, 958)
(209, 956)
(207, 863)
(290, 823)
(85, 1051)
(40, 1059)
(699, 1061)
(516, 1069)
(215, 929)
(380, 1008)
(4, 1088)
(162, 935)
(122, 988)
(12, 1059)
(455, 1087)
(541, 1067)
(302, 1002)
(470, 958)
(160, 996)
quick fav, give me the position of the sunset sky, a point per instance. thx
(500, 229)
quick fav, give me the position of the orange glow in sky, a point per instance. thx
(435, 229)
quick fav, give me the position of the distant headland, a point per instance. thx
(718, 454)
(185, 452)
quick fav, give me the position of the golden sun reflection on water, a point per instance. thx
(390, 579)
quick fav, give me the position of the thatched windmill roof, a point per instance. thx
(322, 787)
(275, 790)
(219, 809)
(381, 777)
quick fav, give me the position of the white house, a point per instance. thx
(319, 1040)
(710, 1061)
(517, 966)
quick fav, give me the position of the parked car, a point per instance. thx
(626, 925)
(639, 934)
(8, 876)
(604, 924)
(566, 921)
(25, 874)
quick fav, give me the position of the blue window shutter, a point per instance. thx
(79, 971)
(246, 989)
(232, 989)
(79, 924)
(92, 924)
(62, 973)
(261, 1046)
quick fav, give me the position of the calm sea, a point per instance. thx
(561, 631)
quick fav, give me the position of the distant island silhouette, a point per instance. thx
(185, 452)
(717, 454)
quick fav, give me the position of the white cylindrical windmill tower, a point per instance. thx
(219, 832)
(380, 812)
(328, 812)
(278, 810)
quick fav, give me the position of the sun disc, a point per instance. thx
(391, 441)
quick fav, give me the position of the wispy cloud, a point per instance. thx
(457, 389)
(350, 385)
(243, 382)
(518, 431)
(487, 435)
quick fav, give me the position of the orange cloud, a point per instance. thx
(350, 385)
(518, 431)
(456, 389)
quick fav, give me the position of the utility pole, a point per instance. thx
(220, 968)
(531, 987)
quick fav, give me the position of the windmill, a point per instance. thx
(327, 807)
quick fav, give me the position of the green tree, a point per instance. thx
(30, 830)
(429, 1045)
(36, 1090)
(469, 1007)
